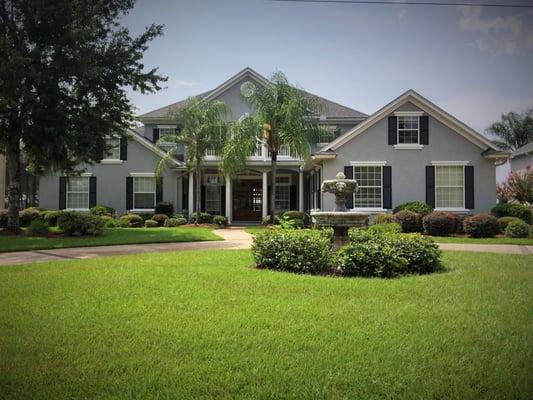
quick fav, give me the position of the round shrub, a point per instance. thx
(383, 218)
(160, 219)
(164, 207)
(481, 225)
(28, 215)
(205, 218)
(112, 222)
(220, 220)
(150, 223)
(173, 222)
(297, 215)
(504, 221)
(390, 227)
(37, 227)
(50, 217)
(415, 206)
(440, 223)
(132, 220)
(299, 251)
(517, 229)
(409, 220)
(513, 210)
(102, 210)
(75, 223)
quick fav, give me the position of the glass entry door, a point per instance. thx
(247, 200)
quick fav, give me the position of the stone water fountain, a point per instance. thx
(340, 219)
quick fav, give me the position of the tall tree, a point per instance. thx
(282, 116)
(202, 126)
(514, 130)
(65, 70)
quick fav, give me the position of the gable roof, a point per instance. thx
(524, 150)
(139, 138)
(332, 109)
(425, 105)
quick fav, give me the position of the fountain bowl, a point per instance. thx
(340, 221)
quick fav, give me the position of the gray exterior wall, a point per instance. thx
(408, 166)
(521, 162)
(111, 180)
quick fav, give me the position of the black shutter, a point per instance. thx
(180, 157)
(393, 130)
(202, 198)
(123, 148)
(306, 194)
(62, 192)
(158, 189)
(184, 193)
(424, 129)
(469, 187)
(348, 171)
(387, 187)
(292, 197)
(222, 200)
(269, 205)
(155, 135)
(92, 191)
(430, 185)
(129, 193)
(318, 185)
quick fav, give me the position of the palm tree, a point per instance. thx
(203, 126)
(282, 115)
(515, 130)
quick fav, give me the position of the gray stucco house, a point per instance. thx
(408, 150)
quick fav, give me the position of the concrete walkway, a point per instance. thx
(234, 238)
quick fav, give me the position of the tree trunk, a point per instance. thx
(13, 166)
(198, 179)
(274, 166)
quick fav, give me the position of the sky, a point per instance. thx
(475, 62)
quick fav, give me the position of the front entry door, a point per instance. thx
(247, 200)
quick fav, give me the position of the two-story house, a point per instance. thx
(408, 150)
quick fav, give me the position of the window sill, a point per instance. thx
(111, 161)
(408, 146)
(369, 210)
(76, 209)
(142, 210)
(454, 209)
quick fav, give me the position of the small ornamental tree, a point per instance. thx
(64, 73)
(518, 187)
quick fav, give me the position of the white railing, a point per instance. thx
(260, 153)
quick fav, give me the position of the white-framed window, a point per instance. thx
(283, 192)
(408, 129)
(78, 193)
(144, 188)
(370, 181)
(212, 194)
(113, 143)
(449, 186)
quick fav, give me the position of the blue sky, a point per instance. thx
(475, 62)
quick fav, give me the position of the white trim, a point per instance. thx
(84, 174)
(76, 209)
(143, 210)
(403, 130)
(367, 163)
(408, 113)
(234, 79)
(111, 161)
(463, 187)
(166, 126)
(411, 146)
(454, 209)
(450, 163)
(371, 210)
(143, 174)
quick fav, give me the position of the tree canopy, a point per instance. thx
(514, 130)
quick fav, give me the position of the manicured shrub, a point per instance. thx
(159, 218)
(173, 222)
(50, 217)
(132, 220)
(387, 255)
(3, 219)
(383, 218)
(440, 223)
(114, 223)
(517, 229)
(205, 218)
(504, 221)
(75, 223)
(102, 210)
(28, 215)
(164, 207)
(513, 210)
(415, 206)
(481, 225)
(288, 223)
(268, 220)
(409, 220)
(220, 220)
(297, 215)
(389, 227)
(300, 251)
(150, 223)
(37, 227)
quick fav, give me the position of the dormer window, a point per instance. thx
(408, 130)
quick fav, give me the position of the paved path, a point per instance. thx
(234, 238)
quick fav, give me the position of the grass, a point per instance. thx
(111, 236)
(446, 239)
(206, 325)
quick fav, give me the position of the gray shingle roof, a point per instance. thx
(525, 149)
(163, 111)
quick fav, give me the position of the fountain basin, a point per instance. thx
(340, 221)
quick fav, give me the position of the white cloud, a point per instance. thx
(509, 34)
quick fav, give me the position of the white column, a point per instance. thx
(300, 190)
(265, 195)
(191, 193)
(229, 205)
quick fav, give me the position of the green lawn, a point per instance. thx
(111, 236)
(206, 325)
